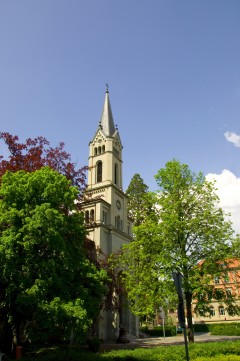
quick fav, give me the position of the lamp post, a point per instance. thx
(177, 277)
(161, 309)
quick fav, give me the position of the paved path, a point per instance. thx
(161, 341)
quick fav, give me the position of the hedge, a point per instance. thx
(226, 329)
(157, 331)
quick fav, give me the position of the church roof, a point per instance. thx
(106, 121)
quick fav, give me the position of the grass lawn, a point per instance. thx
(212, 351)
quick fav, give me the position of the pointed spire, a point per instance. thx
(106, 121)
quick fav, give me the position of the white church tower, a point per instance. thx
(106, 209)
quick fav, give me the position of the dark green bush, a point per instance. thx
(158, 331)
(227, 329)
(202, 327)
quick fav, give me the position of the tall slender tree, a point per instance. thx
(140, 200)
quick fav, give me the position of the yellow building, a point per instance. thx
(230, 285)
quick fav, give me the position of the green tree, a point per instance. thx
(145, 282)
(193, 230)
(46, 281)
(140, 200)
(191, 236)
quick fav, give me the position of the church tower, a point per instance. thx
(105, 210)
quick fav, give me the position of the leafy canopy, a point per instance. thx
(188, 227)
(37, 153)
(45, 277)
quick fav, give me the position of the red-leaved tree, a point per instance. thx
(37, 153)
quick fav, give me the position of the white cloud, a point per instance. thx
(233, 138)
(228, 190)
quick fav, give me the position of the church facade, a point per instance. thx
(106, 216)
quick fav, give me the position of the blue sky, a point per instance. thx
(173, 69)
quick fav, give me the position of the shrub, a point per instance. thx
(202, 327)
(228, 329)
(220, 358)
(158, 331)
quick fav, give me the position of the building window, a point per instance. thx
(117, 222)
(229, 292)
(99, 150)
(87, 216)
(221, 311)
(116, 174)
(92, 215)
(95, 151)
(99, 172)
(201, 312)
(103, 149)
(105, 217)
(212, 312)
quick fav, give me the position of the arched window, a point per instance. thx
(116, 174)
(99, 150)
(95, 151)
(103, 149)
(92, 215)
(99, 172)
(87, 216)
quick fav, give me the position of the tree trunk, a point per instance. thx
(190, 331)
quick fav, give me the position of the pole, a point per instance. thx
(181, 315)
(163, 322)
(186, 343)
(177, 277)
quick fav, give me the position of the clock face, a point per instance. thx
(118, 204)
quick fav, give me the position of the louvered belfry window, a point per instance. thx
(99, 172)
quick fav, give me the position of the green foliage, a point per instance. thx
(138, 262)
(157, 331)
(46, 280)
(219, 358)
(140, 200)
(202, 327)
(228, 329)
(185, 226)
